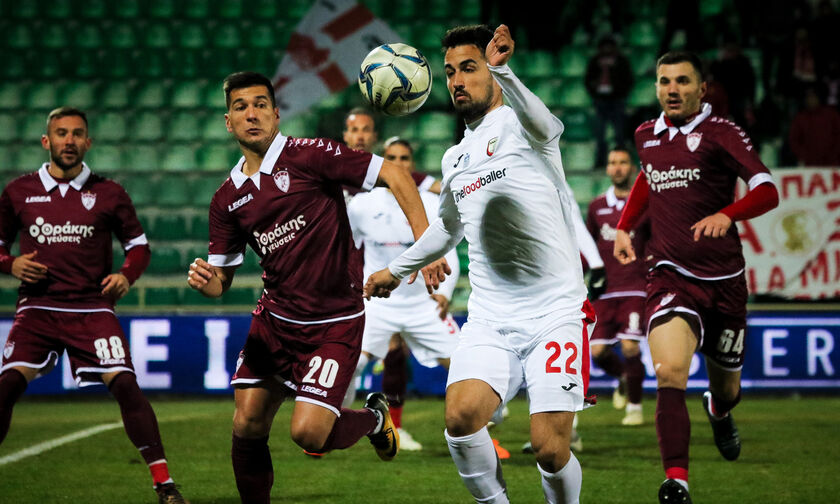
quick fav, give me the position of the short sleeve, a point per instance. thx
(127, 227)
(335, 161)
(227, 242)
(739, 154)
(8, 220)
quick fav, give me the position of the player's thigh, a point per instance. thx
(32, 346)
(484, 354)
(672, 341)
(557, 367)
(311, 424)
(255, 407)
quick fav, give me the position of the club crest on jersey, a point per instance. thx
(693, 141)
(281, 178)
(88, 200)
(491, 145)
(8, 349)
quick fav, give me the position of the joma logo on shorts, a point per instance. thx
(313, 390)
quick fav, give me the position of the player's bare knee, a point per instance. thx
(308, 437)
(461, 422)
(552, 456)
(669, 375)
(250, 425)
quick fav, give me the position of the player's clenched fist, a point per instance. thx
(623, 249)
(202, 277)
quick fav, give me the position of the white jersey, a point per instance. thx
(378, 222)
(504, 189)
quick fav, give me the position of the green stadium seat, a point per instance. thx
(10, 127)
(169, 226)
(578, 124)
(157, 35)
(643, 62)
(47, 65)
(578, 156)
(163, 296)
(191, 36)
(32, 127)
(14, 69)
(213, 130)
(162, 9)
(42, 96)
(241, 296)
(52, 36)
(117, 64)
(30, 157)
(19, 36)
(226, 36)
(572, 93)
(188, 94)
(152, 64)
(186, 63)
(142, 158)
(196, 9)
(463, 257)
(197, 250)
(122, 36)
(104, 158)
(600, 184)
(436, 126)
(228, 9)
(251, 264)
(572, 62)
(184, 126)
(179, 158)
(173, 192)
(261, 36)
(147, 126)
(109, 127)
(642, 34)
(194, 298)
(11, 95)
(8, 297)
(539, 64)
(432, 153)
(94, 9)
(131, 298)
(79, 94)
(265, 9)
(140, 188)
(200, 225)
(116, 94)
(26, 10)
(582, 187)
(166, 260)
(549, 91)
(219, 157)
(127, 9)
(203, 188)
(87, 65)
(642, 94)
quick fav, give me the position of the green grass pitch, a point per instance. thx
(789, 455)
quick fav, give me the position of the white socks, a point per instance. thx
(479, 467)
(563, 487)
(350, 395)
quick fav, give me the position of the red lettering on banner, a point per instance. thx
(751, 283)
(777, 279)
(334, 78)
(348, 23)
(303, 51)
(791, 179)
(835, 180)
(749, 235)
(837, 266)
(818, 269)
(817, 182)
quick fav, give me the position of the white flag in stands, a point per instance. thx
(325, 51)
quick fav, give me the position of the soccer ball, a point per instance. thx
(395, 78)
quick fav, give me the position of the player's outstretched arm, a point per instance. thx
(399, 181)
(211, 281)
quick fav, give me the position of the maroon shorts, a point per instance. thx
(317, 361)
(94, 341)
(718, 307)
(618, 318)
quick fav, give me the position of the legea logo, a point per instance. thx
(44, 232)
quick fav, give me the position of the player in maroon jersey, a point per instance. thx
(621, 307)
(66, 216)
(696, 292)
(284, 199)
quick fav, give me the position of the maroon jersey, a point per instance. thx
(691, 173)
(601, 221)
(292, 213)
(70, 225)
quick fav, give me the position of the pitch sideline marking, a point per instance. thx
(55, 443)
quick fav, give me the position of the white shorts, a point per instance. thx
(428, 337)
(550, 356)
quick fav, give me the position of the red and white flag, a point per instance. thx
(325, 52)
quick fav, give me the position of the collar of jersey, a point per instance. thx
(50, 183)
(685, 129)
(486, 118)
(238, 178)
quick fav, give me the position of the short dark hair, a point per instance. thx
(241, 80)
(477, 35)
(674, 57)
(359, 111)
(66, 112)
(397, 140)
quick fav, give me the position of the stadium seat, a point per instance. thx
(32, 127)
(122, 36)
(241, 296)
(188, 94)
(142, 158)
(572, 62)
(157, 35)
(163, 296)
(128, 9)
(261, 36)
(151, 94)
(18, 36)
(643, 93)
(432, 155)
(196, 9)
(116, 94)
(30, 157)
(265, 9)
(80, 94)
(131, 298)
(179, 158)
(582, 187)
(204, 187)
(105, 159)
(219, 157)
(94, 10)
(184, 126)
(14, 68)
(200, 225)
(42, 96)
(147, 126)
(11, 95)
(10, 127)
(549, 91)
(162, 9)
(26, 10)
(228, 9)
(172, 192)
(214, 97)
(109, 127)
(198, 250)
(191, 36)
(52, 36)
(117, 64)
(166, 260)
(642, 34)
(578, 156)
(578, 124)
(194, 298)
(8, 297)
(168, 226)
(226, 36)
(572, 93)
(643, 62)
(140, 188)
(435, 126)
(213, 130)
(152, 64)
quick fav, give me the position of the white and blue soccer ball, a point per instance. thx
(395, 78)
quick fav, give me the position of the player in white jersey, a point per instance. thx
(421, 319)
(503, 190)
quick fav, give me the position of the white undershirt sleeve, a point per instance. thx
(540, 124)
(434, 243)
